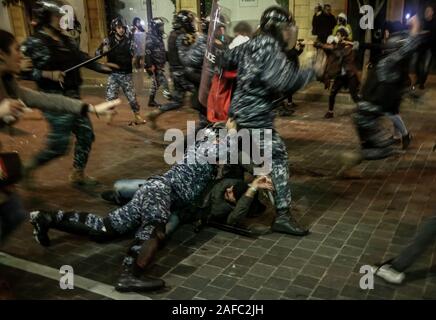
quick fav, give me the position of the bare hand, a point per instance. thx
(105, 108)
(231, 124)
(264, 183)
(26, 64)
(10, 107)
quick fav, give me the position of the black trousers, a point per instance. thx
(344, 81)
(425, 236)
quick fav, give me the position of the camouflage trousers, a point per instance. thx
(149, 208)
(58, 139)
(125, 82)
(181, 86)
(158, 79)
(279, 171)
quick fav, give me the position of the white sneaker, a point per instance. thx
(389, 274)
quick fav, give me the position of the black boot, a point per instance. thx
(287, 224)
(130, 280)
(152, 102)
(406, 141)
(41, 222)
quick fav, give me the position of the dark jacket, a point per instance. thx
(324, 25)
(340, 61)
(121, 52)
(388, 78)
(264, 72)
(174, 41)
(155, 53)
(48, 54)
(192, 57)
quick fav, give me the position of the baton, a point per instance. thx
(91, 60)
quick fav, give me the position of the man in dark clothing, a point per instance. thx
(383, 92)
(424, 57)
(393, 270)
(121, 48)
(155, 60)
(183, 35)
(51, 53)
(325, 23)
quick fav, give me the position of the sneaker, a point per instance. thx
(329, 115)
(389, 274)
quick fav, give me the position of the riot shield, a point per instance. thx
(217, 42)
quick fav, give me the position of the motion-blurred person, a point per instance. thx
(15, 101)
(139, 38)
(183, 35)
(264, 72)
(155, 60)
(51, 53)
(424, 57)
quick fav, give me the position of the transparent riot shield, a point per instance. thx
(217, 43)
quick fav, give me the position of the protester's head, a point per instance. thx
(118, 27)
(342, 19)
(429, 13)
(342, 34)
(10, 54)
(277, 22)
(318, 8)
(48, 13)
(243, 28)
(233, 193)
(137, 23)
(327, 9)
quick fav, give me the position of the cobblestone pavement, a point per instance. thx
(354, 222)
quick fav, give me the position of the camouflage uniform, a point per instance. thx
(181, 83)
(50, 55)
(263, 73)
(121, 54)
(151, 205)
(156, 57)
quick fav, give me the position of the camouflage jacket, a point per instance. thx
(264, 73)
(155, 53)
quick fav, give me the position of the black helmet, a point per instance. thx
(157, 25)
(118, 22)
(274, 20)
(205, 22)
(184, 19)
(44, 9)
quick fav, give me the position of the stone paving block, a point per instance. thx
(182, 293)
(241, 293)
(271, 260)
(225, 282)
(212, 293)
(252, 281)
(261, 269)
(297, 293)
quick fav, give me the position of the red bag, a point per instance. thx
(220, 96)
